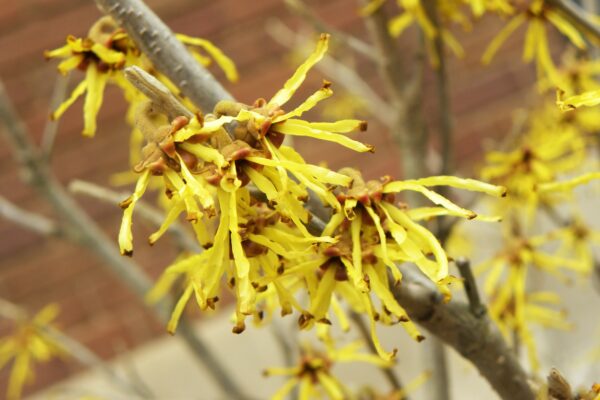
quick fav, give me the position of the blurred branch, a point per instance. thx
(81, 229)
(344, 75)
(35, 222)
(146, 211)
(303, 11)
(75, 349)
(404, 90)
(392, 378)
(443, 95)
(166, 53)
(59, 93)
(577, 15)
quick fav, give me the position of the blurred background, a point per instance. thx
(96, 309)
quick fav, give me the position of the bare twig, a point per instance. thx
(81, 229)
(389, 374)
(404, 91)
(475, 305)
(166, 53)
(29, 220)
(577, 15)
(49, 135)
(344, 75)
(443, 95)
(146, 211)
(155, 90)
(75, 349)
(476, 339)
(354, 43)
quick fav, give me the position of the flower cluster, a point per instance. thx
(103, 55)
(245, 195)
(29, 344)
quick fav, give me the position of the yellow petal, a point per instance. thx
(495, 44)
(292, 127)
(78, 91)
(178, 310)
(290, 87)
(226, 64)
(96, 81)
(307, 104)
(125, 235)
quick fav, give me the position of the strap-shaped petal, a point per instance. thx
(292, 84)
(226, 64)
(295, 128)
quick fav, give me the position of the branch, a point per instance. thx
(58, 96)
(404, 91)
(146, 211)
(577, 15)
(75, 349)
(392, 378)
(81, 229)
(29, 220)
(443, 95)
(476, 339)
(302, 10)
(166, 53)
(470, 284)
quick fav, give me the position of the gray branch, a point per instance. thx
(35, 222)
(167, 54)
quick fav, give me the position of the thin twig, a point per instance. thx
(35, 222)
(470, 284)
(577, 15)
(155, 90)
(75, 349)
(146, 211)
(166, 53)
(59, 93)
(354, 43)
(81, 229)
(389, 374)
(404, 89)
(344, 75)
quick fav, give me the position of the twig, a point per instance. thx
(354, 43)
(389, 374)
(344, 75)
(155, 90)
(404, 91)
(146, 211)
(29, 220)
(166, 53)
(81, 229)
(443, 95)
(470, 284)
(434, 353)
(476, 339)
(59, 92)
(577, 15)
(75, 349)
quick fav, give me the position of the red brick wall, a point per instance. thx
(97, 310)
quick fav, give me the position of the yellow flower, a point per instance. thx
(103, 54)
(510, 303)
(587, 99)
(537, 15)
(28, 345)
(313, 374)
